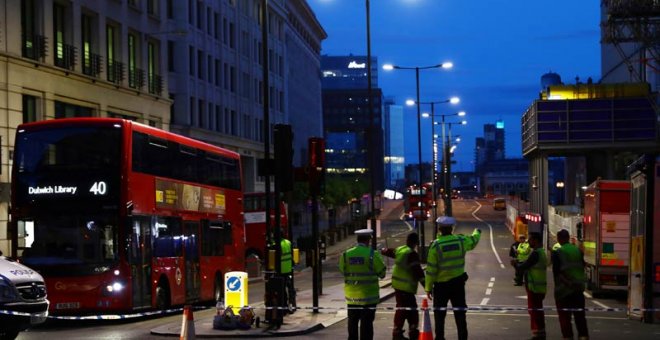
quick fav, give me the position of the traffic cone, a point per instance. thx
(426, 333)
(187, 324)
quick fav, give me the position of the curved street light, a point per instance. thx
(445, 65)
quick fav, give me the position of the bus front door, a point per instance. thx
(140, 262)
(191, 255)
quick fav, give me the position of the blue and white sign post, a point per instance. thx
(236, 290)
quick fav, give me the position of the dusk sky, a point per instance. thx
(500, 50)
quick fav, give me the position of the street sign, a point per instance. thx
(236, 290)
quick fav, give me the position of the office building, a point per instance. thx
(216, 75)
(347, 120)
(83, 58)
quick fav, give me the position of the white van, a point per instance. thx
(23, 301)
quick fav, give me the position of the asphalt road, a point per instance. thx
(489, 286)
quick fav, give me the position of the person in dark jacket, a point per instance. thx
(407, 273)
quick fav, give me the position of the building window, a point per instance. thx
(66, 110)
(191, 60)
(91, 62)
(115, 69)
(200, 15)
(152, 7)
(216, 25)
(153, 78)
(209, 69)
(170, 9)
(232, 78)
(232, 35)
(132, 61)
(122, 116)
(33, 44)
(170, 56)
(200, 113)
(29, 108)
(191, 111)
(191, 11)
(225, 77)
(200, 64)
(225, 31)
(217, 72)
(218, 119)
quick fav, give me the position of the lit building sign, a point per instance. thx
(499, 124)
(354, 64)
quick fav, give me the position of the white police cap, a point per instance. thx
(364, 232)
(446, 221)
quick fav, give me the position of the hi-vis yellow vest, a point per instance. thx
(362, 267)
(402, 277)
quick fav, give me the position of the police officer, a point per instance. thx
(361, 267)
(534, 269)
(407, 273)
(568, 271)
(446, 276)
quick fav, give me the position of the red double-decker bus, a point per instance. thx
(419, 201)
(119, 216)
(254, 205)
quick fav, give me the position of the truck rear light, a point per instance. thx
(657, 273)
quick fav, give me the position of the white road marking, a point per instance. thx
(484, 301)
(489, 291)
(490, 284)
(492, 244)
(600, 304)
(405, 231)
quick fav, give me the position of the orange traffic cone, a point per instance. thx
(187, 324)
(426, 333)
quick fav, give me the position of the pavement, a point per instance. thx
(332, 305)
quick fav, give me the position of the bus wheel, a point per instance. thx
(162, 295)
(218, 288)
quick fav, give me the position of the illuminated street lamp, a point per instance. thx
(453, 100)
(445, 65)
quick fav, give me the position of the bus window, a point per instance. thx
(167, 237)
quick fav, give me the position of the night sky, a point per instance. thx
(499, 48)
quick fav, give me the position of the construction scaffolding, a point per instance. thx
(636, 22)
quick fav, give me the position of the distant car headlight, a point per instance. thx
(8, 292)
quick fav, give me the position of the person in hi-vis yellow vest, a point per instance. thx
(362, 267)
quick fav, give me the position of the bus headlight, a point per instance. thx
(114, 287)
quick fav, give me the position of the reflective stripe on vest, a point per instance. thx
(451, 258)
(360, 281)
(402, 278)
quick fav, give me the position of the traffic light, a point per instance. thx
(316, 147)
(283, 138)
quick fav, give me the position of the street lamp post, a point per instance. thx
(447, 162)
(453, 100)
(445, 65)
